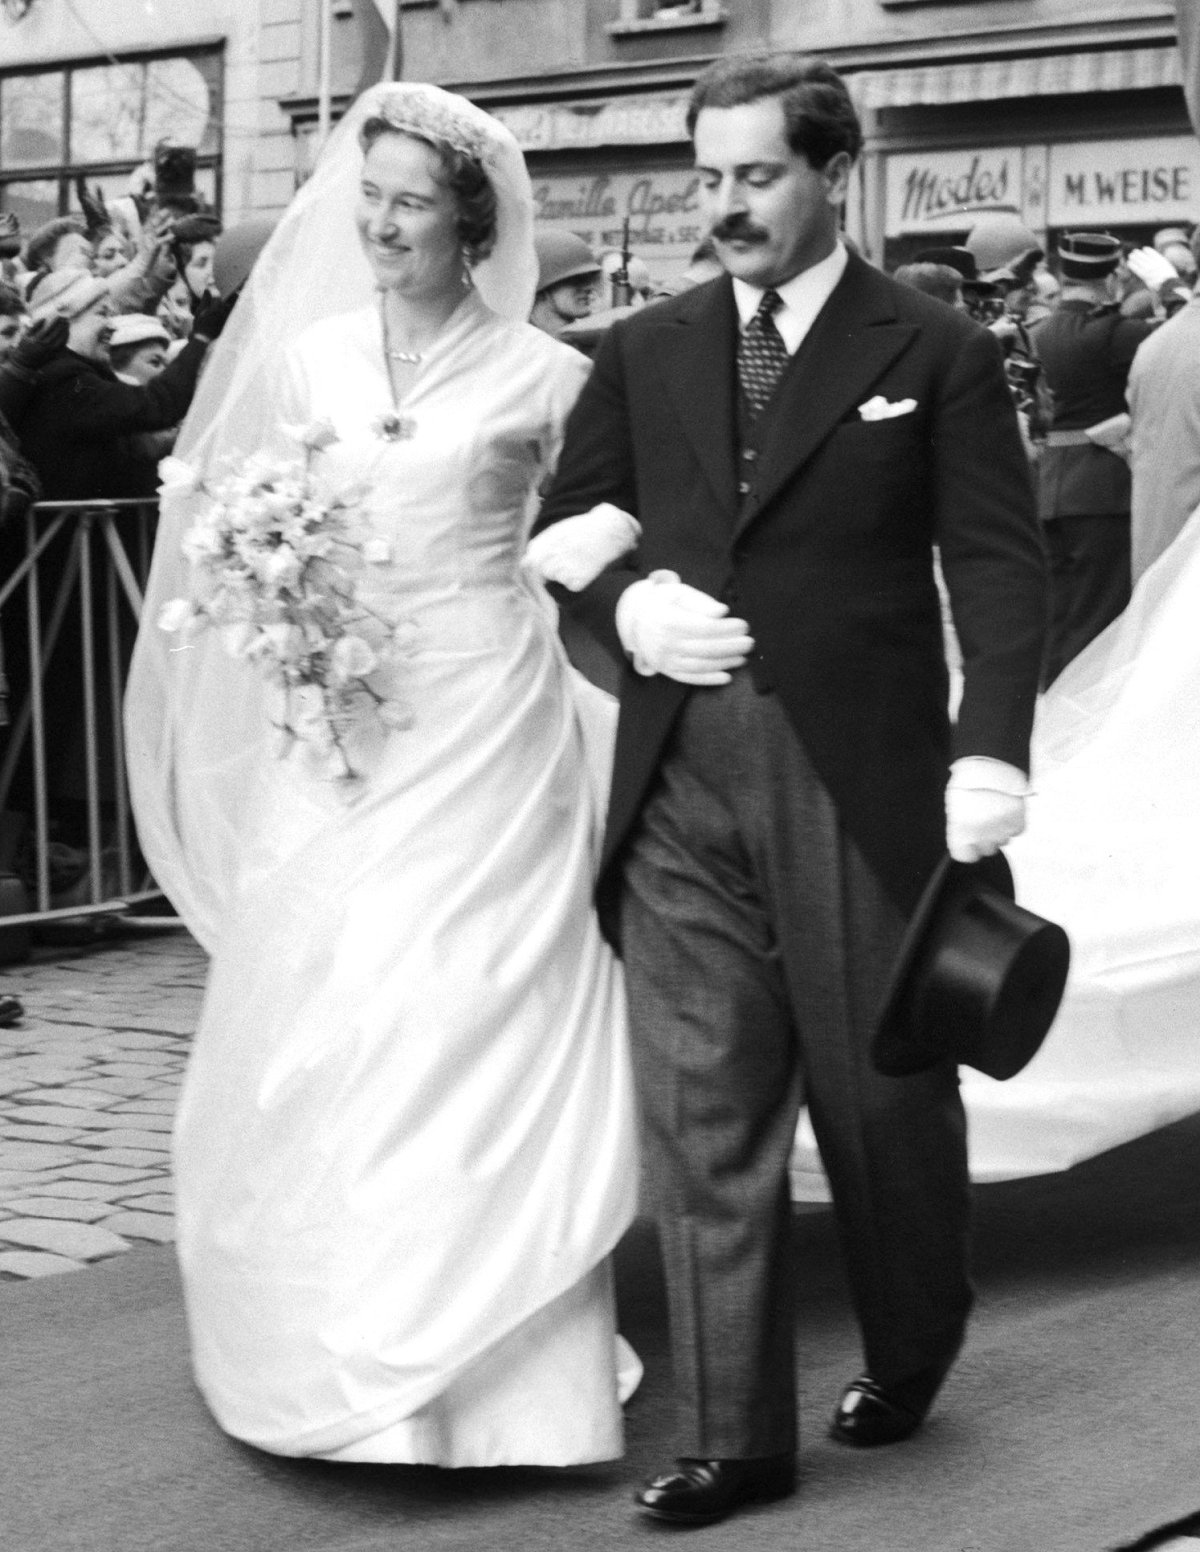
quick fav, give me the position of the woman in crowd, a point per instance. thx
(405, 1147)
(72, 426)
(110, 252)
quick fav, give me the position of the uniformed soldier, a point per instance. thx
(568, 280)
(1085, 348)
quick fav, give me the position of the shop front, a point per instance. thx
(1129, 187)
(1095, 141)
(615, 171)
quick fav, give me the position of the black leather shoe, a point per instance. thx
(868, 1415)
(11, 1011)
(700, 1492)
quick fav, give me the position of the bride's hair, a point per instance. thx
(463, 175)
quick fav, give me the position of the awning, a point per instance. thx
(1047, 75)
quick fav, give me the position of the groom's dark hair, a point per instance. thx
(819, 114)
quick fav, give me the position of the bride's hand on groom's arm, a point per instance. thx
(574, 551)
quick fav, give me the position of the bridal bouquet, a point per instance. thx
(275, 568)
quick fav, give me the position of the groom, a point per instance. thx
(794, 439)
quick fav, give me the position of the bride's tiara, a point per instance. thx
(432, 114)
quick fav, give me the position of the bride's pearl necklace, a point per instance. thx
(412, 357)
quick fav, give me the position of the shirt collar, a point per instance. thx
(803, 295)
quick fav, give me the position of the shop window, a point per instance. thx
(104, 119)
(638, 16)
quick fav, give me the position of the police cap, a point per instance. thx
(1088, 255)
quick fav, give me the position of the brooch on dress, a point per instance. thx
(394, 428)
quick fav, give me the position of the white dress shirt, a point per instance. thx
(803, 297)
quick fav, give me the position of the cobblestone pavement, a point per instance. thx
(88, 1086)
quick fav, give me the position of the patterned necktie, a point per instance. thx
(762, 355)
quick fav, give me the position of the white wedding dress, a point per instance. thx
(1112, 852)
(406, 1141)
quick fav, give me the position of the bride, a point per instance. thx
(405, 1147)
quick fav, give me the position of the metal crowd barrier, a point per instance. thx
(81, 580)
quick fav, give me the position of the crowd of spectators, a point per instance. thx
(106, 316)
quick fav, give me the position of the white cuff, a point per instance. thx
(981, 773)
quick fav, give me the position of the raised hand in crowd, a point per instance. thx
(212, 315)
(1158, 274)
(10, 235)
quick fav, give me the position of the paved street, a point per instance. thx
(88, 1086)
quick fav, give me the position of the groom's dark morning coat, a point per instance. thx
(760, 917)
(828, 556)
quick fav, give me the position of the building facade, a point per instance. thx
(87, 87)
(1069, 113)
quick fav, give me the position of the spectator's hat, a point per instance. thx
(137, 329)
(1169, 237)
(64, 293)
(563, 256)
(1004, 247)
(962, 260)
(236, 249)
(978, 979)
(1088, 255)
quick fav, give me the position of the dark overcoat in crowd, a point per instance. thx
(1084, 491)
(76, 425)
(80, 430)
(1085, 354)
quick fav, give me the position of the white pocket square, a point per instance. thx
(880, 408)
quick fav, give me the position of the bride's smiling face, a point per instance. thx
(408, 219)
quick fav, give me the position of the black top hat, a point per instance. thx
(1088, 255)
(961, 259)
(978, 979)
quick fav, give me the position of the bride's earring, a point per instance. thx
(467, 278)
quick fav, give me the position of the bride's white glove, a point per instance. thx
(672, 629)
(575, 551)
(985, 807)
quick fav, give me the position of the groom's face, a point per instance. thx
(771, 214)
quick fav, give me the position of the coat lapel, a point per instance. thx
(696, 355)
(852, 343)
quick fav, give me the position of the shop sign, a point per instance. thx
(948, 190)
(584, 126)
(662, 207)
(1125, 182)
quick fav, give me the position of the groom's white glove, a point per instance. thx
(672, 629)
(575, 551)
(985, 806)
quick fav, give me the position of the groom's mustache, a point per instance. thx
(739, 228)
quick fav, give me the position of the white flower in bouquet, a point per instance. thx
(205, 540)
(177, 615)
(352, 658)
(177, 477)
(238, 638)
(316, 436)
(376, 552)
(275, 563)
(281, 567)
